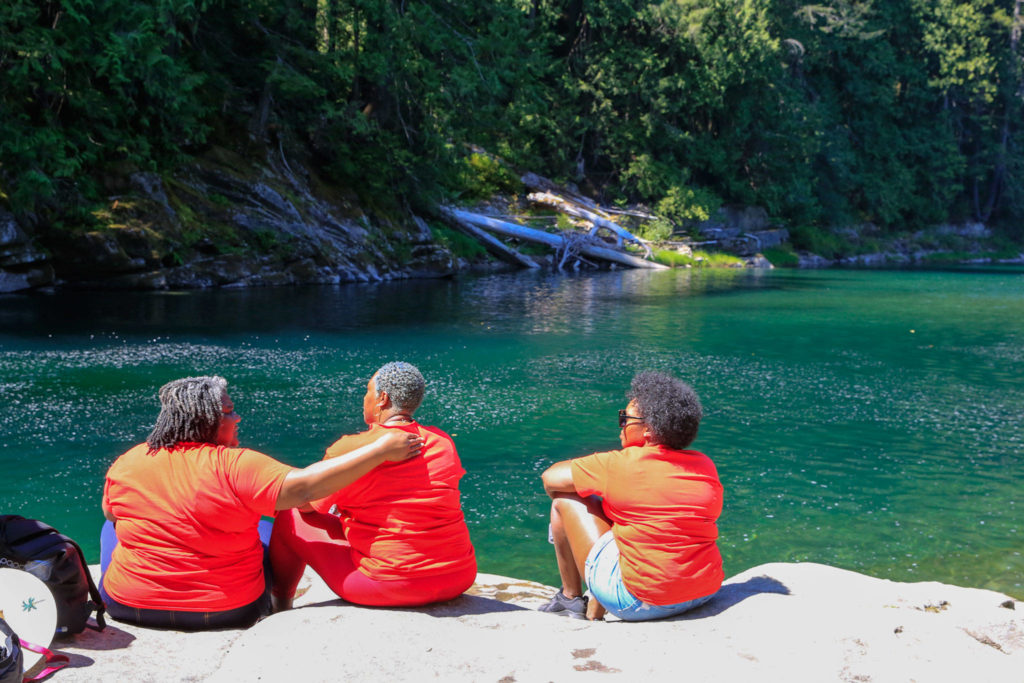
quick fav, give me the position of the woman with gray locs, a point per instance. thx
(638, 525)
(182, 547)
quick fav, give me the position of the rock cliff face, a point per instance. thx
(254, 218)
(777, 622)
(222, 220)
(22, 264)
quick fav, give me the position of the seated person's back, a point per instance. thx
(404, 519)
(398, 536)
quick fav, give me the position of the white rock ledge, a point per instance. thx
(776, 622)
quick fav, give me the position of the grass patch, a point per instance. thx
(700, 259)
(673, 259)
(459, 244)
(714, 259)
(781, 257)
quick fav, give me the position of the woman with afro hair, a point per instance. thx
(638, 525)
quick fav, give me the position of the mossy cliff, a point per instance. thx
(223, 219)
(256, 215)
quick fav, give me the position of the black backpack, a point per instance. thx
(49, 555)
(11, 657)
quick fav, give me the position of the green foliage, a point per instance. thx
(821, 242)
(219, 200)
(84, 83)
(900, 113)
(458, 244)
(700, 259)
(686, 205)
(781, 257)
(266, 241)
(673, 259)
(654, 231)
(715, 259)
(483, 176)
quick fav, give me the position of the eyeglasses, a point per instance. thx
(624, 419)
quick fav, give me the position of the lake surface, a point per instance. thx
(868, 420)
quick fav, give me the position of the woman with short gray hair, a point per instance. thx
(397, 537)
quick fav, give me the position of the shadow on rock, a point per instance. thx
(464, 605)
(110, 638)
(731, 594)
(470, 605)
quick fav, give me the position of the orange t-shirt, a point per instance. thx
(663, 504)
(186, 526)
(404, 519)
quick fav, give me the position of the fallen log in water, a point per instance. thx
(554, 241)
(573, 209)
(489, 242)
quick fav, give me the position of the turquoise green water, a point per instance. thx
(869, 420)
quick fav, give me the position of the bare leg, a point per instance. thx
(576, 524)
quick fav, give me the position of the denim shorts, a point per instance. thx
(604, 579)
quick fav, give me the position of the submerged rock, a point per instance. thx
(776, 622)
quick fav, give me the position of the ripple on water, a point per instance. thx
(885, 452)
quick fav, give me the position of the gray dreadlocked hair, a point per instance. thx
(404, 384)
(190, 410)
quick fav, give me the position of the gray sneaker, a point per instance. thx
(567, 607)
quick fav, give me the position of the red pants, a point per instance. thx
(316, 539)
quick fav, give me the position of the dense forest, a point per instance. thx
(899, 113)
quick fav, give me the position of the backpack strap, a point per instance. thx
(54, 661)
(94, 592)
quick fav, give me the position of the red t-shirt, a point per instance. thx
(186, 526)
(663, 504)
(405, 519)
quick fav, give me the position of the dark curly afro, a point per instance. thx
(669, 406)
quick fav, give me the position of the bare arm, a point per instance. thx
(327, 476)
(558, 478)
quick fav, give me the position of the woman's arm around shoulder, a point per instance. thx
(327, 476)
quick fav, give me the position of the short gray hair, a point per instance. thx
(403, 382)
(190, 411)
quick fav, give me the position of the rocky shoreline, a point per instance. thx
(226, 220)
(782, 621)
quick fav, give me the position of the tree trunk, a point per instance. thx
(983, 214)
(597, 221)
(554, 241)
(492, 244)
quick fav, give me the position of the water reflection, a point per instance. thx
(868, 420)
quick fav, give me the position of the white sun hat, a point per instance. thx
(28, 607)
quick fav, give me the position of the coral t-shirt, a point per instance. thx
(187, 526)
(664, 505)
(404, 519)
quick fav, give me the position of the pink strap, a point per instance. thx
(54, 661)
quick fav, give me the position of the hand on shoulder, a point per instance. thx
(399, 445)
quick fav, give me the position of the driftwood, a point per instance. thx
(557, 242)
(596, 220)
(548, 192)
(489, 242)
